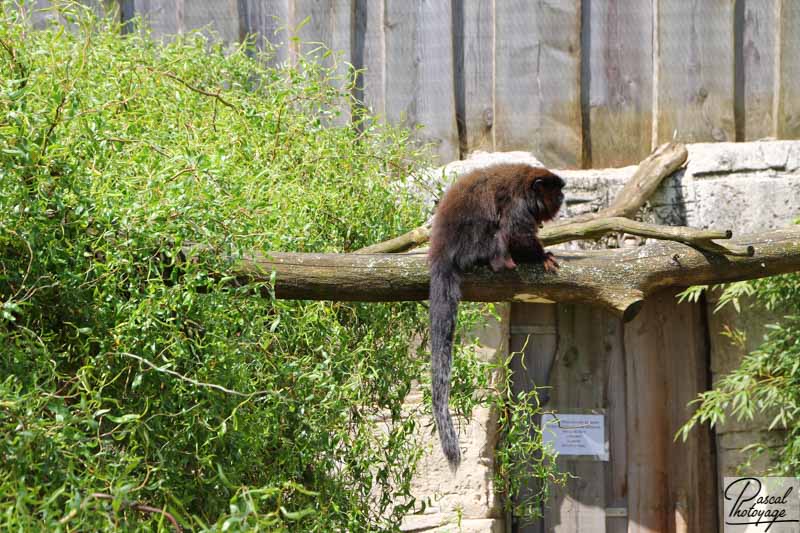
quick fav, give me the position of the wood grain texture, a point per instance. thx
(534, 337)
(695, 70)
(268, 21)
(473, 38)
(537, 80)
(756, 32)
(619, 80)
(648, 436)
(324, 31)
(369, 54)
(685, 354)
(612, 344)
(165, 17)
(579, 380)
(418, 81)
(221, 16)
(788, 112)
(666, 350)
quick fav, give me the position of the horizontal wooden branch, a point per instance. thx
(618, 279)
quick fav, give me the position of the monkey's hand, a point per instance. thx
(550, 263)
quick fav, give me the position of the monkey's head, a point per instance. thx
(545, 194)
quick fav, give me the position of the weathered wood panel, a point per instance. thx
(648, 438)
(619, 79)
(581, 380)
(473, 38)
(788, 112)
(755, 36)
(418, 81)
(695, 70)
(535, 337)
(578, 352)
(611, 344)
(324, 29)
(576, 82)
(323, 22)
(221, 16)
(165, 17)
(368, 54)
(168, 17)
(667, 364)
(537, 79)
(269, 21)
(686, 356)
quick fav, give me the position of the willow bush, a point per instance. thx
(136, 389)
(766, 381)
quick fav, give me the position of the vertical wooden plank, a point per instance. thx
(533, 335)
(686, 354)
(268, 20)
(788, 112)
(695, 70)
(473, 38)
(368, 54)
(756, 25)
(613, 347)
(329, 24)
(667, 356)
(648, 437)
(401, 65)
(164, 17)
(537, 79)
(222, 16)
(419, 71)
(589, 374)
(619, 60)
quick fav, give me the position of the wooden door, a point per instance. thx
(640, 375)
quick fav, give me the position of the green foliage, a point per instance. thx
(768, 379)
(127, 380)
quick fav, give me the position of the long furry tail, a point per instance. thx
(444, 296)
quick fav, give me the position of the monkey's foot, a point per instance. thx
(550, 263)
(509, 263)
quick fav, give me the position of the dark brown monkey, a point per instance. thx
(488, 217)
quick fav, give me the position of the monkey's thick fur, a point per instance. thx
(489, 217)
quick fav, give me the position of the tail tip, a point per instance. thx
(453, 455)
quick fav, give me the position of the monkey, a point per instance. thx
(491, 217)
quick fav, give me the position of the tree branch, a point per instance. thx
(665, 160)
(591, 229)
(618, 279)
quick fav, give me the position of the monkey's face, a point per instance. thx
(549, 195)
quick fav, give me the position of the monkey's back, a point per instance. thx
(468, 214)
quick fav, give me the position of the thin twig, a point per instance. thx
(191, 87)
(141, 507)
(187, 379)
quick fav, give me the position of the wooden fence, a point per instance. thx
(578, 82)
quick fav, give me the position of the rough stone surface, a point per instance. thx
(470, 492)
(735, 460)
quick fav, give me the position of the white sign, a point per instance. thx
(576, 434)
